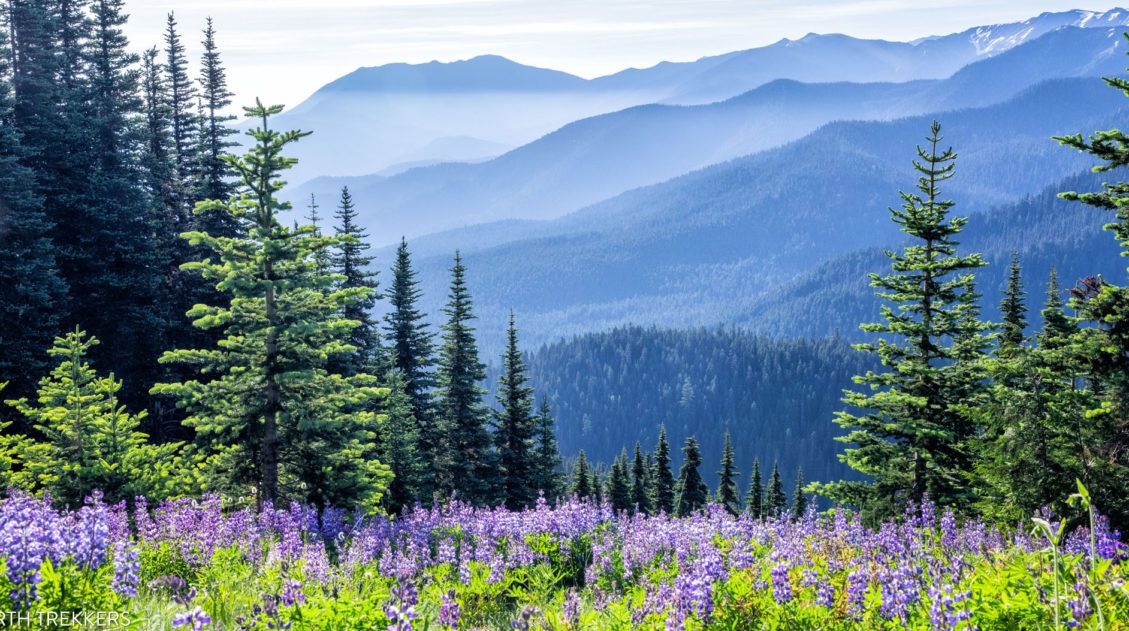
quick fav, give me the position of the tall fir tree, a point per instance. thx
(799, 500)
(754, 500)
(727, 494)
(350, 261)
(1013, 311)
(690, 492)
(464, 459)
(662, 493)
(265, 410)
(547, 460)
(640, 482)
(214, 180)
(31, 292)
(776, 502)
(180, 99)
(581, 477)
(411, 353)
(912, 439)
(516, 427)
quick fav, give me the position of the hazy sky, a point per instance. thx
(282, 50)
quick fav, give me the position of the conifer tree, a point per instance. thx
(776, 504)
(411, 353)
(754, 500)
(727, 494)
(14, 449)
(180, 100)
(1058, 328)
(912, 439)
(1013, 312)
(690, 492)
(90, 442)
(31, 292)
(597, 485)
(619, 484)
(398, 443)
(799, 500)
(350, 261)
(516, 426)
(464, 457)
(640, 498)
(581, 477)
(662, 493)
(213, 177)
(547, 458)
(313, 218)
(265, 410)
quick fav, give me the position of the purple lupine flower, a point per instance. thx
(195, 619)
(127, 567)
(449, 610)
(781, 585)
(400, 609)
(292, 593)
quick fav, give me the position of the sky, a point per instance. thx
(283, 50)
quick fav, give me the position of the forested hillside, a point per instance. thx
(774, 396)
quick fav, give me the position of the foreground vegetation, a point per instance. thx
(203, 565)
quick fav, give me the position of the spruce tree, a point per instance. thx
(595, 482)
(350, 261)
(213, 177)
(547, 460)
(690, 492)
(265, 410)
(411, 353)
(912, 439)
(14, 450)
(398, 444)
(31, 292)
(727, 494)
(1013, 312)
(754, 500)
(313, 218)
(581, 477)
(799, 500)
(662, 493)
(516, 427)
(776, 504)
(640, 498)
(464, 458)
(619, 484)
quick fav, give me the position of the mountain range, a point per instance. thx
(376, 117)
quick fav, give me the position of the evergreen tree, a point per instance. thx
(1014, 312)
(516, 426)
(180, 100)
(213, 177)
(31, 292)
(90, 442)
(662, 493)
(914, 440)
(398, 442)
(690, 492)
(619, 484)
(410, 348)
(1058, 328)
(547, 460)
(727, 494)
(799, 500)
(754, 501)
(597, 486)
(776, 503)
(640, 498)
(581, 477)
(321, 259)
(352, 264)
(463, 458)
(14, 448)
(265, 410)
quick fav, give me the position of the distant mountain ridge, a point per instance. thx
(369, 118)
(597, 158)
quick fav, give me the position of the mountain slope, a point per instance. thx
(599, 157)
(705, 247)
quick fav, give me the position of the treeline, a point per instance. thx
(982, 416)
(772, 395)
(249, 344)
(646, 483)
